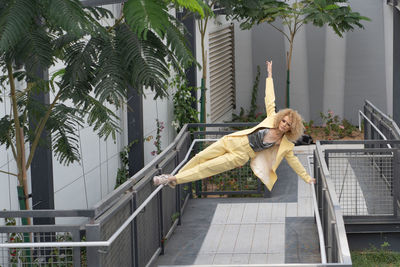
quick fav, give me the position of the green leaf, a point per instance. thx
(192, 5)
(331, 7)
(320, 3)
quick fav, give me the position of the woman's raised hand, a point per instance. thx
(269, 68)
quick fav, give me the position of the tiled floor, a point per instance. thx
(248, 230)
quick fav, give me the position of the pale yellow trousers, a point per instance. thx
(225, 154)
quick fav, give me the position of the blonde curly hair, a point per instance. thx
(297, 127)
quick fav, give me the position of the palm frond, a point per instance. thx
(144, 60)
(64, 123)
(103, 120)
(7, 132)
(99, 12)
(68, 15)
(145, 15)
(195, 6)
(15, 20)
(80, 60)
(177, 43)
(111, 78)
(40, 48)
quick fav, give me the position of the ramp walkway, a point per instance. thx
(296, 224)
(281, 229)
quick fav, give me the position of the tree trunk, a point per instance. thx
(204, 75)
(24, 177)
(288, 64)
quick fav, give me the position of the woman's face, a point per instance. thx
(285, 124)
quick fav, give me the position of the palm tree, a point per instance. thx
(100, 64)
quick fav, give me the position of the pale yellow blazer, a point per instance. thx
(260, 169)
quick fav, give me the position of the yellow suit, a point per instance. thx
(234, 150)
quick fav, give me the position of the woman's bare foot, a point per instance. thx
(165, 179)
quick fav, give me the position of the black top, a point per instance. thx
(256, 140)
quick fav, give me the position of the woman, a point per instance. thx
(265, 144)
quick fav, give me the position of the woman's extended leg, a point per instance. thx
(213, 166)
(225, 154)
(236, 152)
(214, 150)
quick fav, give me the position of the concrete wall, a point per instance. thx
(329, 72)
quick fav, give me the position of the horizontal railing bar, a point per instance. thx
(267, 265)
(39, 228)
(229, 192)
(202, 133)
(46, 213)
(372, 219)
(357, 150)
(352, 142)
(228, 124)
(361, 156)
(374, 156)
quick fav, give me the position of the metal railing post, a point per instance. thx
(76, 251)
(92, 253)
(179, 203)
(161, 221)
(135, 244)
(367, 127)
(396, 184)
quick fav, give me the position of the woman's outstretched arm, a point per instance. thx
(269, 91)
(295, 164)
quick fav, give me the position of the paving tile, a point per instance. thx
(258, 258)
(240, 259)
(222, 258)
(244, 239)
(236, 213)
(278, 210)
(305, 207)
(260, 240)
(212, 239)
(221, 213)
(264, 212)
(304, 189)
(276, 242)
(276, 258)
(250, 213)
(204, 259)
(228, 239)
(291, 209)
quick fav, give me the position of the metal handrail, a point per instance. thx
(318, 220)
(334, 203)
(394, 124)
(372, 124)
(117, 232)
